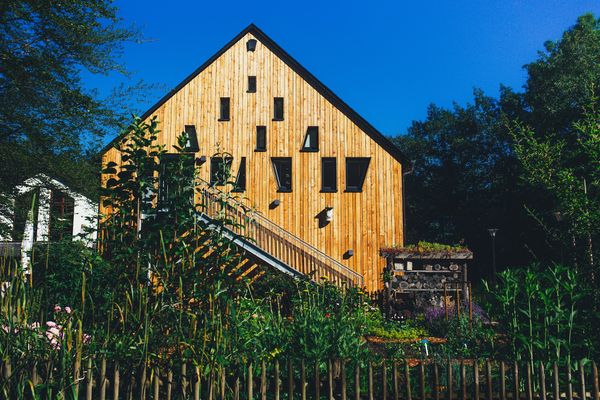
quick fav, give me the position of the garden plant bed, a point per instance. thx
(381, 340)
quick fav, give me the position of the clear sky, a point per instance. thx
(387, 59)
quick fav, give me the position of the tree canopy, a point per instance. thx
(483, 165)
(47, 116)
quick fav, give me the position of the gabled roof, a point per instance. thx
(323, 90)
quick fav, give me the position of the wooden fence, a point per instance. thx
(333, 379)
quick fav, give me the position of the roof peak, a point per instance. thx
(327, 93)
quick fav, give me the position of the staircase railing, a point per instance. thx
(278, 242)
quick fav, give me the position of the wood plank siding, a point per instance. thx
(363, 221)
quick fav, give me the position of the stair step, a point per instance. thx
(248, 271)
(245, 261)
(257, 276)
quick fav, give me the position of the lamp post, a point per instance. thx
(492, 232)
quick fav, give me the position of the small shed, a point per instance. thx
(420, 276)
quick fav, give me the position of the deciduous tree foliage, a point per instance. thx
(470, 175)
(46, 114)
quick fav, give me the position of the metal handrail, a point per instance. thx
(292, 242)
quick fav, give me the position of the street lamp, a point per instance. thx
(492, 232)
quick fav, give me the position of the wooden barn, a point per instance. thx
(326, 184)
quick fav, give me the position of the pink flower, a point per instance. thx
(51, 324)
(86, 338)
(54, 331)
(57, 308)
(68, 310)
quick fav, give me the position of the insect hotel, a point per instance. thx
(421, 276)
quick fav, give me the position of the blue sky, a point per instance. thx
(387, 59)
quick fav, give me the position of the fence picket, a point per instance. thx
(595, 379)
(303, 379)
(89, 378)
(357, 382)
(290, 380)
(343, 373)
(277, 382)
(516, 393)
(436, 381)
(249, 382)
(395, 380)
(449, 372)
(569, 382)
(156, 383)
(116, 381)
(542, 382)
(384, 381)
(330, 379)
(130, 387)
(317, 381)
(555, 386)
(407, 378)
(583, 394)
(476, 379)
(463, 378)
(169, 384)
(197, 383)
(529, 383)
(184, 380)
(103, 380)
(502, 380)
(488, 380)
(143, 383)
(422, 379)
(263, 380)
(371, 394)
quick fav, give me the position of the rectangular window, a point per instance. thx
(311, 140)
(224, 113)
(261, 138)
(61, 215)
(328, 174)
(252, 84)
(240, 179)
(170, 187)
(220, 170)
(278, 109)
(356, 171)
(282, 166)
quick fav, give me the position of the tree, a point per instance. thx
(468, 175)
(46, 114)
(465, 179)
(569, 175)
(564, 79)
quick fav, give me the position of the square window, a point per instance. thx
(252, 84)
(356, 171)
(261, 138)
(328, 174)
(311, 140)
(224, 109)
(282, 166)
(278, 109)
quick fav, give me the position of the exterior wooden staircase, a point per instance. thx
(264, 242)
(260, 242)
